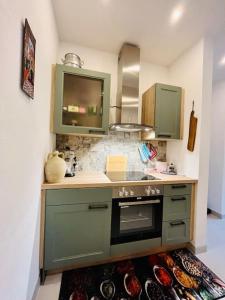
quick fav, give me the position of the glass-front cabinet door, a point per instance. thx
(82, 101)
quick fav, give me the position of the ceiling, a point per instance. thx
(106, 24)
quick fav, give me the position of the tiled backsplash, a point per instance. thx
(91, 152)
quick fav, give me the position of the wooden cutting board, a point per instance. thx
(192, 132)
(116, 163)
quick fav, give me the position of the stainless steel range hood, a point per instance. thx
(127, 102)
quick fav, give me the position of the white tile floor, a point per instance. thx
(214, 258)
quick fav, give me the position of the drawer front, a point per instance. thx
(176, 232)
(177, 189)
(176, 207)
(135, 247)
(76, 196)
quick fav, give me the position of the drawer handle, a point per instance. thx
(93, 206)
(178, 199)
(179, 186)
(92, 131)
(177, 223)
(164, 135)
(168, 90)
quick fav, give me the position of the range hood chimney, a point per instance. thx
(127, 102)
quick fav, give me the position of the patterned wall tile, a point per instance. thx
(91, 152)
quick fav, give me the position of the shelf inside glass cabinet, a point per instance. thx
(82, 101)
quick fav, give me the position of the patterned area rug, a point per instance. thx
(174, 275)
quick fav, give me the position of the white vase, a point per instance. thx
(55, 168)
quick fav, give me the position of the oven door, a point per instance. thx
(136, 219)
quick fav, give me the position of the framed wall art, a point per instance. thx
(28, 63)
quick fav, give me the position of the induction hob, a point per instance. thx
(129, 176)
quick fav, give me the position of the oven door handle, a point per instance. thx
(121, 204)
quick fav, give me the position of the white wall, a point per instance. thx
(25, 140)
(216, 197)
(108, 62)
(187, 73)
(193, 72)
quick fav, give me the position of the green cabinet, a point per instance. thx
(162, 109)
(176, 232)
(176, 214)
(77, 232)
(82, 101)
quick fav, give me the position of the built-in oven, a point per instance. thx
(136, 213)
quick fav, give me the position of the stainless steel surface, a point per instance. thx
(122, 204)
(127, 104)
(137, 191)
(73, 60)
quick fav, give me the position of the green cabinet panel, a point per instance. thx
(76, 196)
(82, 101)
(167, 111)
(177, 189)
(77, 226)
(77, 233)
(135, 247)
(176, 232)
(176, 207)
(176, 214)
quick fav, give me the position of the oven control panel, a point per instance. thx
(137, 191)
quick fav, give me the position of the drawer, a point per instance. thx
(176, 232)
(177, 189)
(176, 207)
(75, 196)
(135, 247)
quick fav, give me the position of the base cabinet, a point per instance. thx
(78, 226)
(77, 233)
(176, 214)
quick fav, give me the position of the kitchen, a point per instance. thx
(186, 65)
(131, 209)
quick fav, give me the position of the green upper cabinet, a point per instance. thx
(82, 101)
(162, 109)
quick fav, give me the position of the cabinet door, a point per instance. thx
(167, 111)
(175, 232)
(82, 101)
(77, 233)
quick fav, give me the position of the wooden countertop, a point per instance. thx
(99, 179)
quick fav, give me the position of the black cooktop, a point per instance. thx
(129, 176)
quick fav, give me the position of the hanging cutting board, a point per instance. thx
(116, 163)
(192, 130)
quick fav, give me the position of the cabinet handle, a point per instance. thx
(164, 135)
(177, 223)
(96, 131)
(179, 186)
(178, 199)
(98, 206)
(168, 90)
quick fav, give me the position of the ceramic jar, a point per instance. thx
(55, 167)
